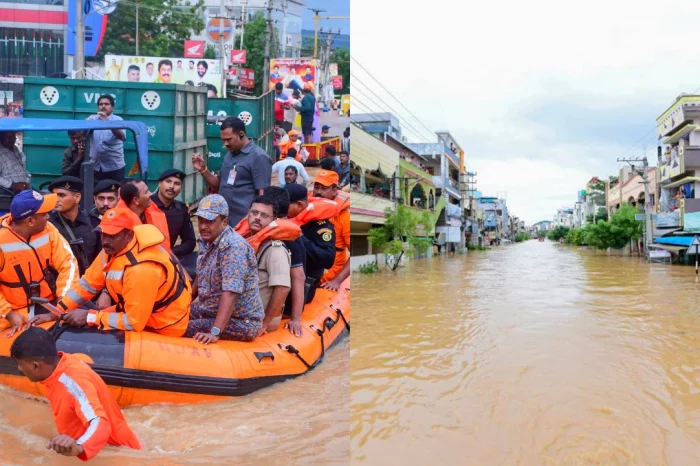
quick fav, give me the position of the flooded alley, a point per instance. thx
(527, 354)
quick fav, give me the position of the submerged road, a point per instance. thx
(527, 354)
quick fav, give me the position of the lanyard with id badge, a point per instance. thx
(231, 176)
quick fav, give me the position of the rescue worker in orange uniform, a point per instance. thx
(86, 415)
(291, 143)
(326, 186)
(35, 260)
(135, 196)
(148, 284)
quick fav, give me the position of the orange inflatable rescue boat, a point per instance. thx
(143, 368)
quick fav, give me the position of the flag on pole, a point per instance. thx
(16, 43)
(34, 43)
(6, 42)
(24, 46)
(50, 44)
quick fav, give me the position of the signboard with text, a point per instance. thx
(293, 73)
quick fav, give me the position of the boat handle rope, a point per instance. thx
(340, 316)
(293, 350)
(320, 334)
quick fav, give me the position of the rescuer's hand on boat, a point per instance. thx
(77, 318)
(333, 285)
(65, 446)
(205, 338)
(294, 327)
(41, 319)
(17, 321)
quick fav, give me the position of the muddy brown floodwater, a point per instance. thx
(529, 354)
(301, 421)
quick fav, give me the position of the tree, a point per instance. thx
(342, 57)
(254, 45)
(558, 233)
(541, 234)
(522, 236)
(397, 236)
(618, 232)
(576, 237)
(163, 27)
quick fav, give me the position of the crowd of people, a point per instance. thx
(263, 252)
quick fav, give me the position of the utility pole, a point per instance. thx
(316, 19)
(268, 38)
(137, 28)
(284, 29)
(644, 173)
(79, 58)
(325, 87)
(222, 28)
(243, 5)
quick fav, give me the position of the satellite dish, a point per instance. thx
(104, 7)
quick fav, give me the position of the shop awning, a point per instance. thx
(673, 249)
(673, 240)
(682, 181)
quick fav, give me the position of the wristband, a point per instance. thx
(206, 169)
(92, 318)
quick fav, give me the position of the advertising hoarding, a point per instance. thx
(293, 73)
(164, 70)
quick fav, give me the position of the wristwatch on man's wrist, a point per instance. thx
(215, 331)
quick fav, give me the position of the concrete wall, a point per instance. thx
(357, 261)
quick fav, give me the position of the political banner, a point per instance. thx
(294, 73)
(140, 69)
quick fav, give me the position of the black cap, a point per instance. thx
(106, 186)
(296, 192)
(179, 174)
(69, 183)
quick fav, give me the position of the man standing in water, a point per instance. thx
(86, 415)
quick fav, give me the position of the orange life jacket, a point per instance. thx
(280, 229)
(284, 149)
(23, 267)
(167, 311)
(318, 209)
(154, 216)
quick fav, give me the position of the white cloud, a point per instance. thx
(482, 70)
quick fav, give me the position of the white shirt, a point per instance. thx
(281, 166)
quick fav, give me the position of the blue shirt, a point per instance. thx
(106, 150)
(228, 264)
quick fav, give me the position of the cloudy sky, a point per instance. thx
(542, 95)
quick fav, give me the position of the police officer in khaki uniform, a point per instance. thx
(74, 224)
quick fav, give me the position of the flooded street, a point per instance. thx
(528, 354)
(295, 422)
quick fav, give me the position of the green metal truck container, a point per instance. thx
(175, 116)
(256, 112)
